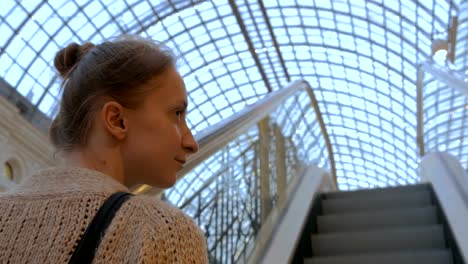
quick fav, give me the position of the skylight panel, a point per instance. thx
(15, 16)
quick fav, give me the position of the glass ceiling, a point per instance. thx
(359, 56)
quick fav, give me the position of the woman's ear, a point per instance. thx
(114, 119)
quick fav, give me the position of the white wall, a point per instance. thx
(22, 145)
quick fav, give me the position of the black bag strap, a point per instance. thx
(88, 244)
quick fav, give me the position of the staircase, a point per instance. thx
(393, 225)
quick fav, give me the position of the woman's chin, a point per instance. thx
(164, 183)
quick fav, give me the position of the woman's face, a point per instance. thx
(158, 140)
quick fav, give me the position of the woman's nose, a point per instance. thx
(189, 143)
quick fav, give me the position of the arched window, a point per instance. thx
(9, 171)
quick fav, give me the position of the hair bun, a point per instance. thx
(66, 58)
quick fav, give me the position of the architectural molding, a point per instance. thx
(22, 145)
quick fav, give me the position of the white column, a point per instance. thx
(461, 48)
(264, 131)
(280, 148)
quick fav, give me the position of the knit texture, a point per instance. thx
(42, 220)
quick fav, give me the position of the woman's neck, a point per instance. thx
(104, 161)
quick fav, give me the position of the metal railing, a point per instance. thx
(442, 117)
(245, 165)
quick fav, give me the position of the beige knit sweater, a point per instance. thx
(43, 218)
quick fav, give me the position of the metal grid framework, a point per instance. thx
(223, 194)
(445, 119)
(360, 57)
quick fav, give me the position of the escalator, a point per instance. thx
(391, 225)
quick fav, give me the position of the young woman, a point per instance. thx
(121, 123)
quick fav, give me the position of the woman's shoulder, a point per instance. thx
(174, 235)
(155, 208)
(161, 216)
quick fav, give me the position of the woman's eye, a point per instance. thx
(179, 114)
